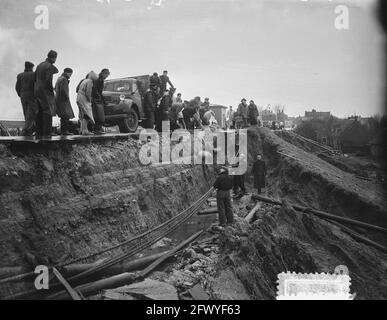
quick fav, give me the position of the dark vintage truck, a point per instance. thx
(124, 102)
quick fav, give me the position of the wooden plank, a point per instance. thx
(74, 295)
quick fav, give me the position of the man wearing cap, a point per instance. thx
(44, 93)
(223, 186)
(62, 100)
(241, 115)
(98, 101)
(25, 90)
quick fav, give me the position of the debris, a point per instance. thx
(151, 289)
(198, 293)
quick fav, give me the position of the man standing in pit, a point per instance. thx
(44, 93)
(223, 186)
(62, 98)
(99, 101)
(239, 180)
(259, 173)
(25, 90)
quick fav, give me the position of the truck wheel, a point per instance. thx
(130, 123)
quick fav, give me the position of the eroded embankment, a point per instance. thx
(59, 202)
(307, 180)
(283, 240)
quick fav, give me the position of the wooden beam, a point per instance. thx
(124, 278)
(73, 294)
(325, 215)
(250, 217)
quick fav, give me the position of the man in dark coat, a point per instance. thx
(259, 173)
(154, 81)
(25, 90)
(253, 114)
(44, 93)
(204, 107)
(150, 103)
(163, 110)
(239, 180)
(241, 115)
(164, 80)
(62, 99)
(223, 186)
(98, 101)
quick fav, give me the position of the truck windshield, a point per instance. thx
(120, 87)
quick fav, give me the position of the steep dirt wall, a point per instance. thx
(61, 201)
(308, 180)
(282, 240)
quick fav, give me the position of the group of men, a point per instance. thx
(41, 100)
(246, 115)
(160, 105)
(225, 183)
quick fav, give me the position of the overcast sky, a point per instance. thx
(277, 51)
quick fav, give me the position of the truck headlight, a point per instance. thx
(122, 97)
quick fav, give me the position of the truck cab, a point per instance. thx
(124, 102)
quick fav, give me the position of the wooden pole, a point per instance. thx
(208, 212)
(117, 269)
(326, 215)
(249, 218)
(74, 295)
(124, 278)
(361, 238)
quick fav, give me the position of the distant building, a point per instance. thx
(316, 115)
(267, 117)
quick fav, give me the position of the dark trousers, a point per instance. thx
(43, 124)
(259, 190)
(226, 215)
(30, 113)
(149, 123)
(98, 108)
(65, 125)
(239, 183)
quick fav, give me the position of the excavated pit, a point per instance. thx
(283, 240)
(66, 201)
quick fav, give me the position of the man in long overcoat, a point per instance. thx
(25, 89)
(62, 99)
(259, 173)
(44, 93)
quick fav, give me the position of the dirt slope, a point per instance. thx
(67, 201)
